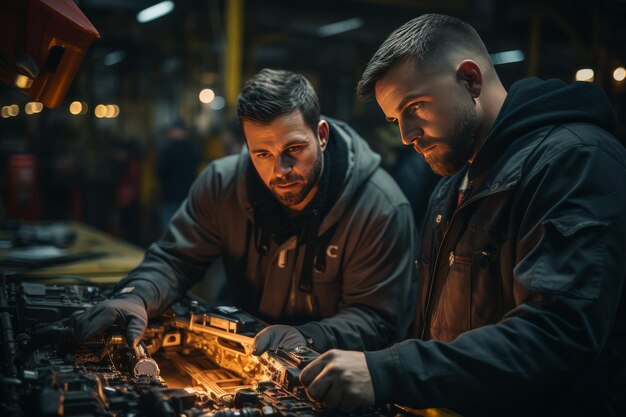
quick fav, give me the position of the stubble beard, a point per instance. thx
(460, 144)
(292, 198)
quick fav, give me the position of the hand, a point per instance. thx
(277, 335)
(127, 309)
(339, 379)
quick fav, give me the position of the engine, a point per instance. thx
(194, 360)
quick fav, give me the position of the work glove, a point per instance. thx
(339, 379)
(278, 335)
(127, 310)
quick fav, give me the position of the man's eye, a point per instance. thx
(263, 155)
(293, 149)
(415, 106)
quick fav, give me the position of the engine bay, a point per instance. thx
(194, 360)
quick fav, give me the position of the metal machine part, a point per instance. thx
(188, 363)
(146, 367)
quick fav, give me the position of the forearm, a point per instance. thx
(156, 289)
(355, 327)
(524, 355)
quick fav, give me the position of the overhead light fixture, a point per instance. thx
(342, 26)
(619, 74)
(507, 57)
(154, 12)
(114, 58)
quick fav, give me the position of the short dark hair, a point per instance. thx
(422, 40)
(273, 93)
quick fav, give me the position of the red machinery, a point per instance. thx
(42, 44)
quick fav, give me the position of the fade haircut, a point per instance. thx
(424, 40)
(274, 93)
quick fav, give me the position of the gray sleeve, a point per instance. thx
(190, 244)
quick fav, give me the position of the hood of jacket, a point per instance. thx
(533, 103)
(361, 164)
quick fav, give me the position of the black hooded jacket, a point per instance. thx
(522, 308)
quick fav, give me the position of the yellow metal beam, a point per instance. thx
(233, 51)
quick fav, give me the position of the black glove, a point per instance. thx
(127, 309)
(277, 335)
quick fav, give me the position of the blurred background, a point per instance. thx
(165, 73)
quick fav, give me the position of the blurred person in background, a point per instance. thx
(177, 168)
(128, 157)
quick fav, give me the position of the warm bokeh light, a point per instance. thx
(584, 74)
(206, 95)
(76, 107)
(23, 81)
(112, 110)
(5, 112)
(33, 107)
(14, 110)
(619, 74)
(100, 111)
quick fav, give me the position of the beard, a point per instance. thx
(458, 146)
(306, 183)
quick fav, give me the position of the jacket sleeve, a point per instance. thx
(569, 275)
(379, 286)
(189, 245)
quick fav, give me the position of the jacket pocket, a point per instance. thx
(451, 315)
(486, 302)
(568, 260)
(471, 296)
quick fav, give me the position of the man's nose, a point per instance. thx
(282, 166)
(410, 132)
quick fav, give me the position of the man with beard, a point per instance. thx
(311, 232)
(521, 307)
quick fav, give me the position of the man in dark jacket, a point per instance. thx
(521, 307)
(311, 231)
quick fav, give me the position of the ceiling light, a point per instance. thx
(340, 27)
(619, 74)
(114, 58)
(507, 57)
(154, 12)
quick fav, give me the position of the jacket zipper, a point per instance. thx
(430, 303)
(282, 258)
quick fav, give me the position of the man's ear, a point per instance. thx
(470, 73)
(323, 133)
